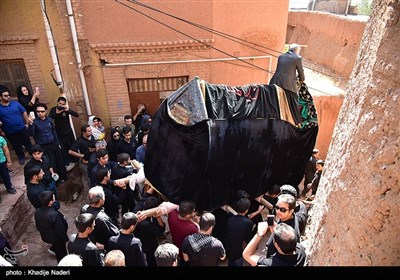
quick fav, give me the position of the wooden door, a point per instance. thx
(150, 99)
(152, 91)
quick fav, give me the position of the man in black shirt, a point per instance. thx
(289, 252)
(52, 225)
(80, 243)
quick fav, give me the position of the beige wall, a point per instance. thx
(331, 44)
(355, 217)
(132, 37)
(331, 40)
(328, 108)
(23, 36)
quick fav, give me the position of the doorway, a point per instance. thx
(152, 91)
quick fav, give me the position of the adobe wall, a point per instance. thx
(331, 51)
(330, 40)
(354, 220)
(328, 108)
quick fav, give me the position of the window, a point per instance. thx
(12, 74)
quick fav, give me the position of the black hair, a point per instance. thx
(42, 105)
(122, 157)
(101, 173)
(275, 189)
(45, 197)
(186, 207)
(129, 219)
(3, 89)
(36, 148)
(126, 129)
(150, 202)
(83, 221)
(101, 153)
(84, 127)
(61, 98)
(242, 203)
(32, 171)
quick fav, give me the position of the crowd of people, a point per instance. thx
(125, 220)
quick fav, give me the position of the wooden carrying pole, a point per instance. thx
(265, 203)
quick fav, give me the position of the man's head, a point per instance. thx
(102, 156)
(123, 159)
(103, 175)
(35, 173)
(289, 189)
(61, 102)
(285, 239)
(114, 258)
(85, 222)
(144, 141)
(46, 198)
(242, 203)
(320, 165)
(187, 209)
(274, 191)
(285, 207)
(127, 134)
(41, 110)
(207, 221)
(4, 94)
(86, 131)
(129, 221)
(36, 152)
(128, 120)
(166, 255)
(92, 146)
(295, 47)
(150, 202)
(96, 197)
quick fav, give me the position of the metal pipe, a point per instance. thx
(185, 61)
(52, 46)
(78, 56)
(54, 58)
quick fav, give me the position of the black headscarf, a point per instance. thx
(25, 100)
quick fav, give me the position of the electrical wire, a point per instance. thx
(238, 40)
(197, 40)
(220, 33)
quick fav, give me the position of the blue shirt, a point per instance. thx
(43, 131)
(12, 117)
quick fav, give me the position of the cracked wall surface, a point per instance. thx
(354, 220)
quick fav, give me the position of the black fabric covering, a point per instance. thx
(208, 161)
(176, 158)
(250, 101)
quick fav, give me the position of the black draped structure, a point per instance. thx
(205, 145)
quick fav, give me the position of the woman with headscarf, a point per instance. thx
(113, 143)
(27, 99)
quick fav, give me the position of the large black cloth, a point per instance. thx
(250, 148)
